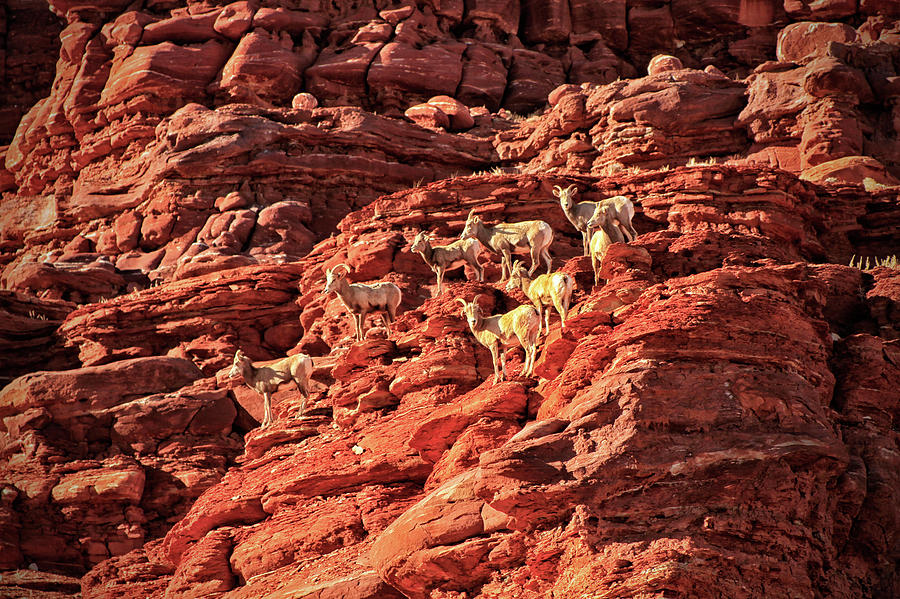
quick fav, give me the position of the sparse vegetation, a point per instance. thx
(36, 315)
(874, 262)
(494, 170)
(695, 161)
(870, 184)
(519, 118)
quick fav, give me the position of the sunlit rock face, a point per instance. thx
(717, 417)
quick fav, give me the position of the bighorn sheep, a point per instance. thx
(504, 238)
(600, 242)
(546, 290)
(361, 298)
(441, 258)
(617, 213)
(518, 326)
(265, 379)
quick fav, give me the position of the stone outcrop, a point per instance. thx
(718, 418)
(513, 474)
(28, 52)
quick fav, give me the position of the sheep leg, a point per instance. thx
(546, 310)
(304, 392)
(360, 325)
(562, 309)
(385, 318)
(545, 254)
(503, 363)
(506, 265)
(628, 231)
(595, 263)
(586, 242)
(531, 354)
(494, 359)
(440, 280)
(536, 255)
(392, 316)
(479, 271)
(267, 409)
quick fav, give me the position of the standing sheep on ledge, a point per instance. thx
(441, 258)
(519, 326)
(554, 289)
(535, 236)
(361, 298)
(613, 214)
(600, 242)
(265, 379)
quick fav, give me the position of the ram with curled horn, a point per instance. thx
(612, 214)
(531, 236)
(519, 326)
(441, 258)
(544, 291)
(361, 298)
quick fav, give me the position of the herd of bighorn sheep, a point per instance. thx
(600, 224)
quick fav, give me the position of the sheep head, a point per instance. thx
(473, 221)
(237, 363)
(471, 310)
(605, 218)
(421, 240)
(515, 275)
(333, 278)
(566, 196)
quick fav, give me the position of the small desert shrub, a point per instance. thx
(870, 263)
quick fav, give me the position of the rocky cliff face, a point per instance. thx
(718, 418)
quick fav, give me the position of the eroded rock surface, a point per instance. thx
(719, 416)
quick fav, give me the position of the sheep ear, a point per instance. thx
(346, 269)
(572, 188)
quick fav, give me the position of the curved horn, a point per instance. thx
(557, 190)
(334, 268)
(471, 214)
(462, 301)
(572, 187)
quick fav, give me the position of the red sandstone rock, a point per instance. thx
(456, 111)
(851, 169)
(663, 63)
(27, 334)
(716, 361)
(428, 116)
(294, 22)
(71, 393)
(433, 69)
(304, 101)
(267, 65)
(182, 28)
(166, 71)
(533, 76)
(823, 10)
(484, 75)
(803, 42)
(235, 19)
